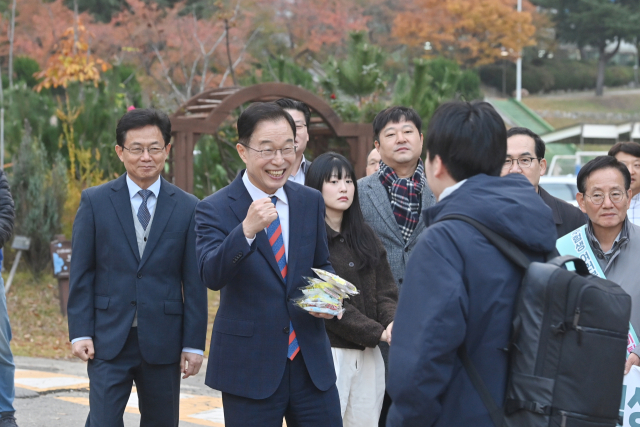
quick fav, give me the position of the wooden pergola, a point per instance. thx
(204, 113)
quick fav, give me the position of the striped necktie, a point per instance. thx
(143, 212)
(274, 233)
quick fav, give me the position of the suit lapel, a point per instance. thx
(122, 204)
(164, 208)
(296, 224)
(241, 200)
(378, 195)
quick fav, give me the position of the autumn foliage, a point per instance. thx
(472, 32)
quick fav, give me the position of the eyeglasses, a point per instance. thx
(598, 198)
(269, 154)
(136, 151)
(523, 162)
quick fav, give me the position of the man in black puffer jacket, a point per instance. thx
(7, 368)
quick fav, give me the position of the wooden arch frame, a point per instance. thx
(204, 113)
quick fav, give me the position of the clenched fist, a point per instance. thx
(262, 213)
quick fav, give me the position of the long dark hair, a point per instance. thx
(358, 235)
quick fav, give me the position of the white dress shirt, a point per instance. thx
(447, 191)
(282, 206)
(136, 202)
(301, 175)
(634, 210)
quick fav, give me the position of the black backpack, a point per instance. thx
(568, 345)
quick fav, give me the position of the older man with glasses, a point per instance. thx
(525, 155)
(609, 243)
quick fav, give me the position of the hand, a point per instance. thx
(262, 212)
(384, 337)
(632, 360)
(388, 331)
(83, 349)
(190, 364)
(324, 315)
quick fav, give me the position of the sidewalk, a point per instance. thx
(55, 393)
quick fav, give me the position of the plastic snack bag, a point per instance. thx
(337, 281)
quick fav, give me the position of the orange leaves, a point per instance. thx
(472, 32)
(72, 61)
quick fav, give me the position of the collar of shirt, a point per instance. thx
(447, 191)
(136, 199)
(302, 171)
(257, 193)
(621, 238)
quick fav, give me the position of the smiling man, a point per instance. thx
(629, 154)
(137, 308)
(604, 195)
(257, 238)
(393, 198)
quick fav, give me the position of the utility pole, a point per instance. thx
(519, 66)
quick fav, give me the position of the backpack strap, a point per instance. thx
(508, 249)
(495, 412)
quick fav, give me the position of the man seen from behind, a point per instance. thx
(459, 289)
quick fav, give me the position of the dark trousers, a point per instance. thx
(297, 399)
(158, 388)
(386, 404)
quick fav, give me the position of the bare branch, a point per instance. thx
(235, 64)
(165, 71)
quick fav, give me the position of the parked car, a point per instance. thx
(563, 187)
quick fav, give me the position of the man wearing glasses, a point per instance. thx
(629, 154)
(613, 241)
(525, 155)
(137, 308)
(301, 115)
(256, 240)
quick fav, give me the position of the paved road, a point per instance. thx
(55, 393)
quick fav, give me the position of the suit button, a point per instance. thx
(286, 330)
(239, 255)
(139, 275)
(133, 303)
(406, 249)
(351, 264)
(400, 281)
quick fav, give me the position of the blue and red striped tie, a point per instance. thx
(274, 233)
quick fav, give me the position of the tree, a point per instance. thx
(39, 191)
(471, 32)
(595, 23)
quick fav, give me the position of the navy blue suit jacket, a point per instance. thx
(109, 280)
(249, 340)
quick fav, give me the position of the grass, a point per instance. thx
(39, 329)
(613, 107)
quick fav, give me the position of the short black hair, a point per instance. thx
(141, 117)
(599, 163)
(292, 104)
(395, 115)
(359, 236)
(469, 137)
(540, 145)
(630, 148)
(261, 112)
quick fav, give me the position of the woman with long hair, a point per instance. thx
(357, 255)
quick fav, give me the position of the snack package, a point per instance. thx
(325, 295)
(337, 281)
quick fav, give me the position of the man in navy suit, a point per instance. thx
(256, 239)
(137, 308)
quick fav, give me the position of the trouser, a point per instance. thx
(360, 385)
(110, 381)
(297, 399)
(7, 368)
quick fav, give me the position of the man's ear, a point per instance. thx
(439, 169)
(242, 152)
(581, 201)
(376, 144)
(629, 196)
(119, 152)
(543, 166)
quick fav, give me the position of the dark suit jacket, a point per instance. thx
(250, 335)
(566, 216)
(109, 281)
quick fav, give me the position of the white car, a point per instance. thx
(563, 187)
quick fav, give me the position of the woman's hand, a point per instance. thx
(388, 331)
